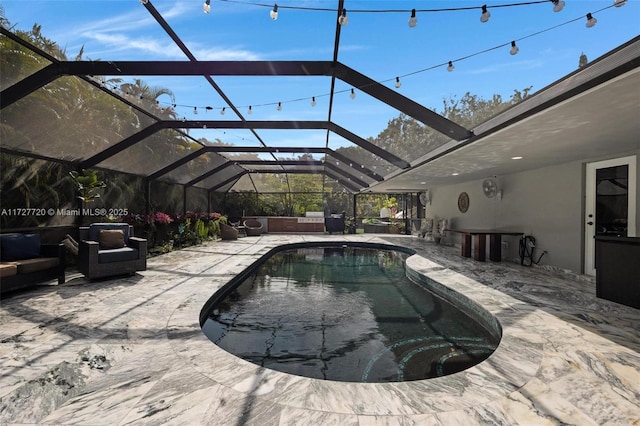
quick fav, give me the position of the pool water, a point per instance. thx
(346, 314)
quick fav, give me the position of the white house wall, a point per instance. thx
(547, 203)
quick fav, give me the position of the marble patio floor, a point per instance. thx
(130, 351)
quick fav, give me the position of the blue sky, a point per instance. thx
(379, 45)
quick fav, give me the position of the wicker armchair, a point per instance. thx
(99, 256)
(228, 232)
(253, 227)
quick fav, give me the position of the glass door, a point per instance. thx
(610, 203)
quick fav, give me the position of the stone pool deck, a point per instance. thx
(130, 351)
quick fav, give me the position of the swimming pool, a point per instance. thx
(344, 313)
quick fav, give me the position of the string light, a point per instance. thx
(313, 101)
(274, 12)
(413, 21)
(206, 6)
(250, 110)
(558, 5)
(514, 49)
(485, 14)
(343, 20)
(195, 110)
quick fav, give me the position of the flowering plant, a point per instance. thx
(159, 217)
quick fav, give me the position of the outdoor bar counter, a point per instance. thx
(288, 224)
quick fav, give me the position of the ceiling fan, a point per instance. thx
(490, 187)
(424, 198)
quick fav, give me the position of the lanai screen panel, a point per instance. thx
(361, 155)
(152, 153)
(195, 168)
(69, 119)
(220, 177)
(17, 62)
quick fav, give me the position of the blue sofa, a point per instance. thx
(25, 262)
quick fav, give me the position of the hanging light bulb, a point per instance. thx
(485, 14)
(618, 3)
(343, 20)
(591, 21)
(279, 108)
(450, 67)
(558, 5)
(206, 6)
(274, 12)
(353, 94)
(195, 110)
(313, 101)
(398, 84)
(144, 1)
(514, 49)
(223, 110)
(250, 111)
(413, 21)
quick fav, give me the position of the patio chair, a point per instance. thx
(253, 227)
(109, 249)
(228, 232)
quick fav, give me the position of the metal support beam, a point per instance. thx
(402, 103)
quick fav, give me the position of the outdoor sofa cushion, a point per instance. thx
(117, 255)
(95, 228)
(19, 246)
(8, 269)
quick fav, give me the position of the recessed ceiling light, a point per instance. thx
(455, 174)
(423, 183)
(516, 158)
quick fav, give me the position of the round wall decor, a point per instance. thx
(463, 202)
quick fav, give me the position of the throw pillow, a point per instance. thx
(20, 246)
(69, 246)
(111, 239)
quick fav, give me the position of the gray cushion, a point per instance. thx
(117, 255)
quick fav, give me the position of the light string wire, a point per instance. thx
(395, 78)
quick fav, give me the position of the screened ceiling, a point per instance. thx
(129, 115)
